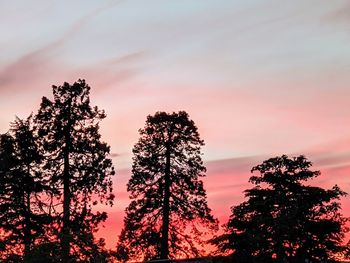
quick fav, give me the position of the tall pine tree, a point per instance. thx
(168, 212)
(78, 164)
(23, 217)
(7, 164)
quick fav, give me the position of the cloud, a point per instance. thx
(227, 179)
(225, 182)
(333, 159)
(28, 69)
(114, 155)
(37, 65)
(130, 58)
(112, 74)
(340, 15)
(332, 154)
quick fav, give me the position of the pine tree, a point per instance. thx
(78, 165)
(23, 218)
(7, 162)
(168, 212)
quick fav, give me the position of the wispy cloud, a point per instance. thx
(258, 78)
(39, 64)
(339, 15)
(112, 73)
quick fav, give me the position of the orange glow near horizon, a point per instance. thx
(257, 81)
(225, 182)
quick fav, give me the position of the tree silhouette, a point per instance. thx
(283, 219)
(22, 214)
(168, 199)
(7, 162)
(78, 165)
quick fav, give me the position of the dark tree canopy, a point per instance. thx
(284, 219)
(168, 212)
(22, 214)
(77, 163)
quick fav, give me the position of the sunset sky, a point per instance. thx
(259, 79)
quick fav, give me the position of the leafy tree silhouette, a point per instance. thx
(168, 199)
(78, 165)
(283, 219)
(22, 215)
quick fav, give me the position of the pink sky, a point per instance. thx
(259, 79)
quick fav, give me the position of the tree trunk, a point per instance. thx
(65, 234)
(27, 229)
(164, 253)
(27, 233)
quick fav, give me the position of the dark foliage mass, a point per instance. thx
(22, 211)
(78, 165)
(54, 168)
(168, 212)
(285, 220)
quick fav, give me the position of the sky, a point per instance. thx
(259, 79)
